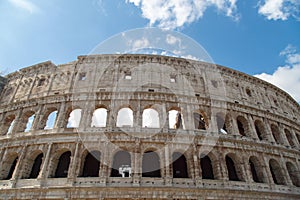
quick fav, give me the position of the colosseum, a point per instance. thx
(139, 126)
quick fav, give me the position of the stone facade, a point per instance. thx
(237, 137)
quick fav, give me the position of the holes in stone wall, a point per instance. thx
(231, 169)
(175, 119)
(9, 166)
(256, 170)
(276, 134)
(276, 172)
(289, 137)
(151, 164)
(206, 168)
(74, 118)
(29, 123)
(199, 121)
(51, 119)
(125, 118)
(121, 165)
(99, 118)
(293, 173)
(242, 125)
(150, 118)
(179, 165)
(221, 123)
(91, 164)
(8, 124)
(63, 165)
(36, 166)
(260, 130)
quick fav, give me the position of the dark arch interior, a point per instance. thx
(254, 172)
(241, 128)
(232, 174)
(35, 170)
(199, 121)
(179, 166)
(258, 131)
(121, 159)
(91, 164)
(221, 123)
(151, 165)
(12, 169)
(206, 168)
(276, 172)
(63, 165)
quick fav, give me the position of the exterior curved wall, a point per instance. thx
(256, 155)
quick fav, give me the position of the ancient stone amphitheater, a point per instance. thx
(146, 127)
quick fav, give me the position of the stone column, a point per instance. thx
(284, 172)
(17, 122)
(267, 170)
(36, 125)
(295, 139)
(73, 163)
(222, 166)
(16, 175)
(61, 115)
(269, 134)
(137, 171)
(251, 130)
(43, 174)
(284, 140)
(168, 173)
(2, 156)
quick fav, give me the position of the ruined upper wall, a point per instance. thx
(118, 73)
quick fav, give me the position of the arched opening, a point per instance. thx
(8, 124)
(289, 137)
(51, 120)
(36, 167)
(121, 165)
(179, 165)
(276, 134)
(293, 173)
(99, 118)
(242, 125)
(150, 118)
(175, 119)
(256, 172)
(74, 118)
(231, 169)
(151, 165)
(276, 172)
(91, 164)
(221, 123)
(206, 168)
(260, 130)
(63, 165)
(125, 118)
(199, 121)
(11, 166)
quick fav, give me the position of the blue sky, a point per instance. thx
(258, 37)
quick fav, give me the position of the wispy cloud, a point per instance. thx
(25, 5)
(171, 14)
(286, 77)
(279, 9)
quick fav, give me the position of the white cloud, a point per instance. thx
(141, 43)
(172, 39)
(25, 5)
(279, 9)
(171, 14)
(287, 77)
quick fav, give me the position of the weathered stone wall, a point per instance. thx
(261, 122)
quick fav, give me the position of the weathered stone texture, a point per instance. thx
(238, 138)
